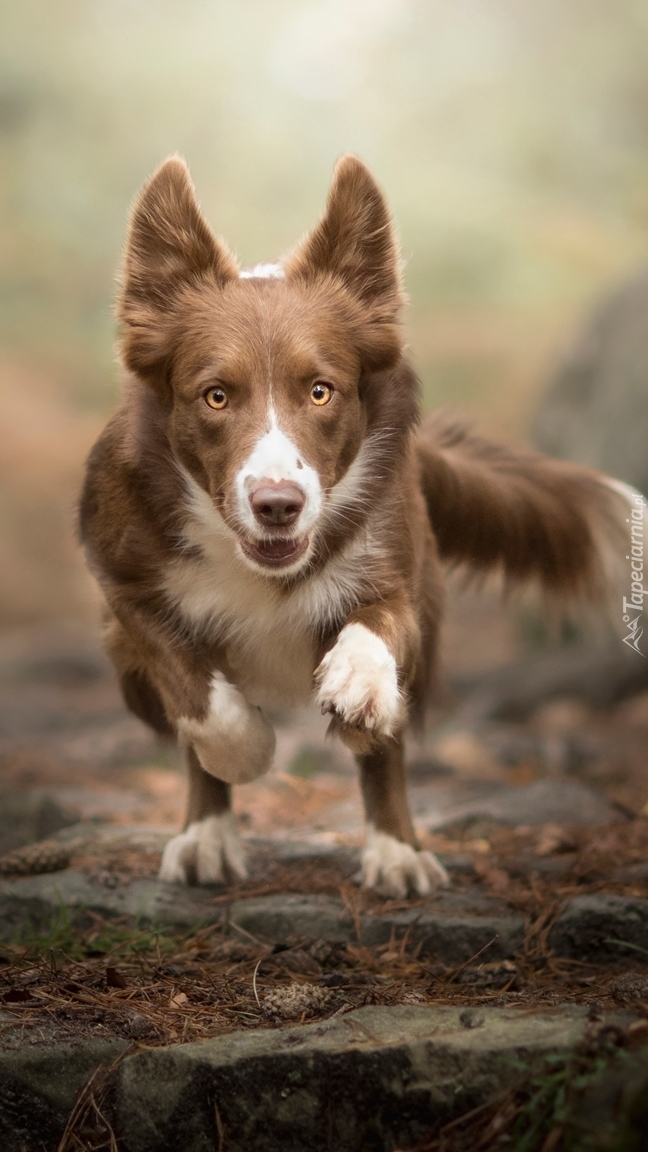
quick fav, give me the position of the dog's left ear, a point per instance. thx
(354, 242)
(169, 249)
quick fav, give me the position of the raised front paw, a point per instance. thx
(208, 852)
(358, 683)
(393, 868)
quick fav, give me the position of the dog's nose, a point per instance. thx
(277, 503)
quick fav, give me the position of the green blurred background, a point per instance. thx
(511, 137)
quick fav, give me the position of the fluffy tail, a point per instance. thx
(530, 516)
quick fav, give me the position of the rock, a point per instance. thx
(299, 962)
(451, 928)
(90, 834)
(545, 865)
(497, 974)
(596, 411)
(542, 802)
(279, 916)
(33, 904)
(29, 815)
(373, 1078)
(597, 674)
(613, 1109)
(316, 848)
(234, 950)
(450, 935)
(38, 1086)
(596, 927)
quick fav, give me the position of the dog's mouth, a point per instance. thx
(278, 553)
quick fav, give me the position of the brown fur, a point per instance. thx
(438, 494)
(531, 516)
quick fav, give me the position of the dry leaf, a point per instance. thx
(114, 978)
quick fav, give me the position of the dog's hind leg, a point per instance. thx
(391, 862)
(142, 698)
(209, 849)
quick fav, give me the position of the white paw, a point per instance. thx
(234, 742)
(393, 868)
(358, 682)
(208, 852)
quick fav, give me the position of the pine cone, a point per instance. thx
(45, 856)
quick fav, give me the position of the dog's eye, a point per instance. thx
(321, 393)
(216, 397)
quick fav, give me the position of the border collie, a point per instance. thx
(269, 519)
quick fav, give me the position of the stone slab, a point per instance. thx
(31, 904)
(587, 924)
(274, 918)
(452, 928)
(38, 1087)
(541, 802)
(374, 1078)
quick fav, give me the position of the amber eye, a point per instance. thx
(216, 397)
(321, 393)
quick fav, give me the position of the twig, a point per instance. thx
(254, 987)
(220, 1131)
(455, 971)
(86, 1102)
(255, 940)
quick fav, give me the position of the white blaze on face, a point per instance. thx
(263, 272)
(276, 457)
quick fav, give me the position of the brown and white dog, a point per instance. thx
(268, 520)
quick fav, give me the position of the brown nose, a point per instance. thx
(276, 503)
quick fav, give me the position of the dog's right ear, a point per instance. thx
(169, 248)
(355, 243)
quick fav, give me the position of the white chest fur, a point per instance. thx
(270, 636)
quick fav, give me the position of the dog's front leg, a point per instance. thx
(363, 681)
(232, 740)
(209, 849)
(392, 863)
(232, 744)
(173, 687)
(363, 678)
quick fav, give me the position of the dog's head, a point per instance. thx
(268, 382)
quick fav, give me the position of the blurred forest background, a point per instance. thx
(511, 137)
